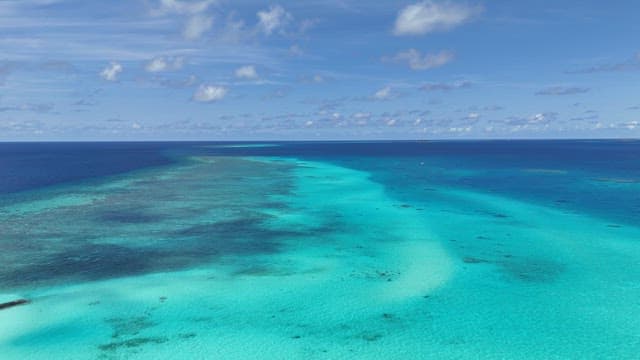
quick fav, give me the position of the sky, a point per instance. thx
(318, 69)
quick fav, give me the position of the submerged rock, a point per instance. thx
(132, 343)
(370, 336)
(10, 304)
(473, 260)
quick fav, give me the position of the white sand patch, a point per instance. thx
(424, 266)
(402, 239)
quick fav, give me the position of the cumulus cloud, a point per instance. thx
(446, 86)
(246, 72)
(562, 90)
(418, 61)
(273, 19)
(472, 116)
(535, 119)
(161, 64)
(429, 16)
(383, 94)
(110, 73)
(630, 125)
(210, 93)
(541, 118)
(196, 26)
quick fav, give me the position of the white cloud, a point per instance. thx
(111, 72)
(386, 93)
(196, 26)
(273, 19)
(246, 72)
(181, 7)
(383, 94)
(210, 93)
(417, 61)
(428, 16)
(161, 64)
(460, 129)
(197, 23)
(538, 118)
(472, 116)
(631, 125)
(535, 119)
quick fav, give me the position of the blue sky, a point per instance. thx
(330, 69)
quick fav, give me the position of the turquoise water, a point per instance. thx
(330, 251)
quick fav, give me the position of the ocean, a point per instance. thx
(320, 250)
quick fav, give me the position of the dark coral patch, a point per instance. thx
(132, 343)
(123, 327)
(371, 336)
(473, 260)
(129, 216)
(532, 270)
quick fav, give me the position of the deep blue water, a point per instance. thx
(594, 176)
(600, 177)
(26, 166)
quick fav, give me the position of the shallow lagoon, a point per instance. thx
(291, 252)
